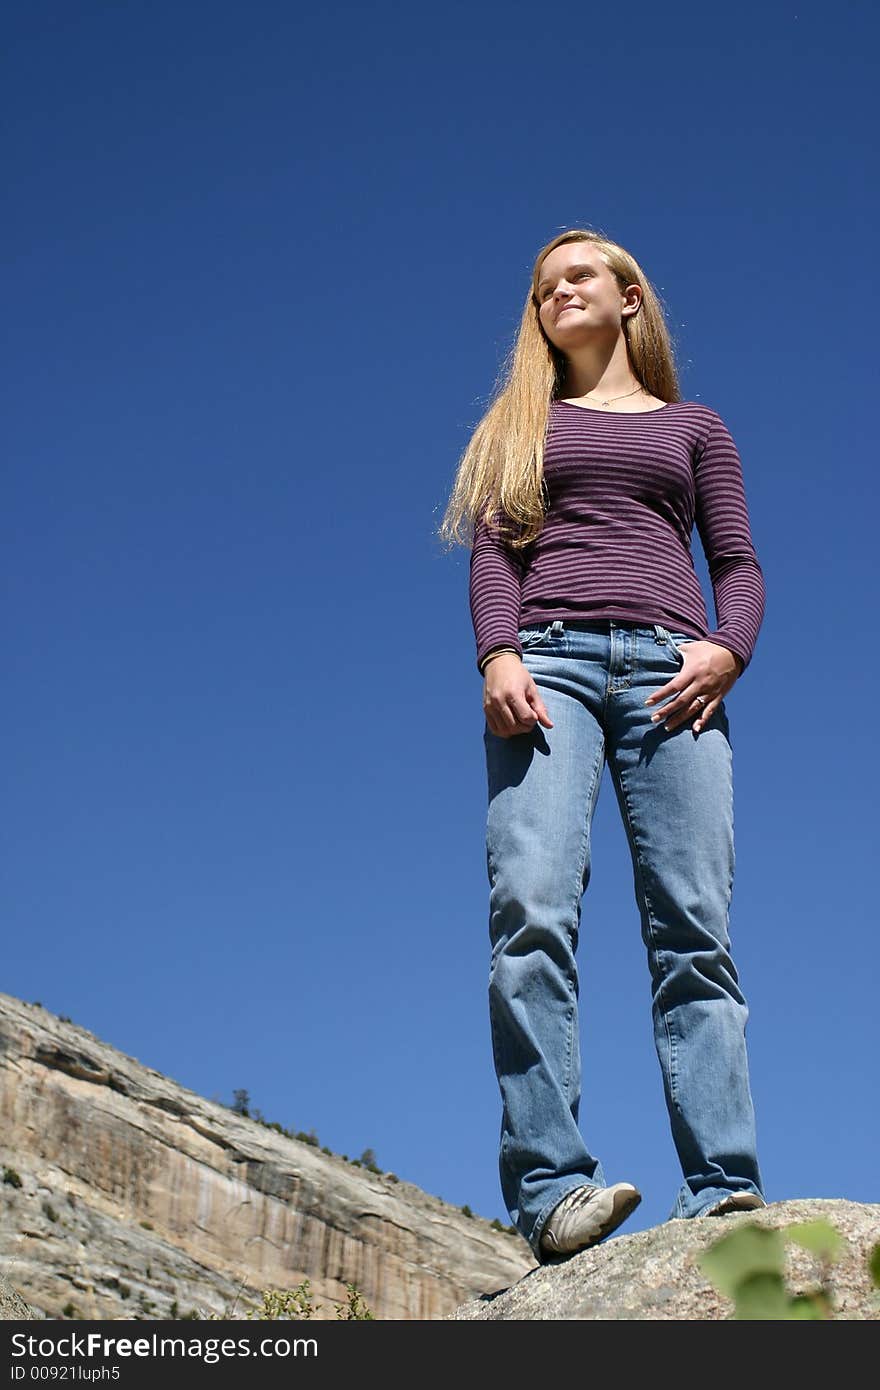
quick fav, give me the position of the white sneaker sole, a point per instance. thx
(737, 1201)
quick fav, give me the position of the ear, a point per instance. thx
(632, 297)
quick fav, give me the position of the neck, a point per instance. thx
(592, 372)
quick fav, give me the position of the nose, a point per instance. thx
(561, 300)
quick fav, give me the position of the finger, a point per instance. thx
(510, 718)
(683, 710)
(540, 710)
(501, 721)
(519, 718)
(671, 692)
(523, 712)
(706, 715)
(665, 691)
(515, 722)
(703, 714)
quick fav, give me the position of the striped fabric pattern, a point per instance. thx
(625, 493)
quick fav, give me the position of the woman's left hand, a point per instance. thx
(709, 670)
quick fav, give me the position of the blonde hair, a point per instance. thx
(501, 472)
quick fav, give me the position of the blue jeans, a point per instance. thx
(675, 792)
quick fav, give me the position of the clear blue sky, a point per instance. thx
(264, 266)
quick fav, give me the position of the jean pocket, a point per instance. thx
(675, 641)
(534, 636)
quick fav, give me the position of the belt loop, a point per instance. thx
(556, 628)
(660, 633)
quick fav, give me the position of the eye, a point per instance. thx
(545, 294)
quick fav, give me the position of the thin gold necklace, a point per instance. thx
(614, 398)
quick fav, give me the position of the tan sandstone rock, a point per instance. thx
(127, 1194)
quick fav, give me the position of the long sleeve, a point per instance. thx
(495, 591)
(723, 523)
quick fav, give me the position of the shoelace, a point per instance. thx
(578, 1199)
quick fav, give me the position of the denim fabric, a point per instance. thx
(675, 793)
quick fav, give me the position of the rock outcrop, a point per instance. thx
(12, 1306)
(124, 1195)
(654, 1275)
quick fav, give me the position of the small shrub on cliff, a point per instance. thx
(241, 1102)
(298, 1304)
(354, 1307)
(294, 1304)
(10, 1176)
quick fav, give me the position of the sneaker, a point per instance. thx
(586, 1215)
(737, 1201)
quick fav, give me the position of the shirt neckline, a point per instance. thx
(593, 411)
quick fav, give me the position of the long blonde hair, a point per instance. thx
(501, 472)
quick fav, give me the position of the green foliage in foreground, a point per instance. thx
(294, 1305)
(748, 1267)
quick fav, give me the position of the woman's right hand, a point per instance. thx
(511, 699)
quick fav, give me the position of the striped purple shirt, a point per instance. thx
(625, 491)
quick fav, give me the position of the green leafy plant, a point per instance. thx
(298, 1304)
(286, 1303)
(748, 1267)
(12, 1177)
(354, 1308)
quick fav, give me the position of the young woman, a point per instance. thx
(579, 491)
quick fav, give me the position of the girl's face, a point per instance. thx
(579, 297)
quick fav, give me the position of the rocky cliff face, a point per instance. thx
(125, 1196)
(654, 1275)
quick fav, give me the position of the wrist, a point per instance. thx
(500, 651)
